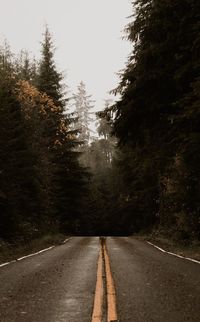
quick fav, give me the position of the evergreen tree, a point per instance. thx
(39, 112)
(20, 193)
(49, 79)
(26, 68)
(83, 105)
(154, 117)
(68, 177)
(101, 201)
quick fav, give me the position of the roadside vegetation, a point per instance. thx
(10, 251)
(157, 119)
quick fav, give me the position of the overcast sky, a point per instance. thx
(87, 35)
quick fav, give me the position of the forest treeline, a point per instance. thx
(157, 119)
(143, 170)
(41, 180)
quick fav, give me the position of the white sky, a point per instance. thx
(87, 35)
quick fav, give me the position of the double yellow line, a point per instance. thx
(104, 263)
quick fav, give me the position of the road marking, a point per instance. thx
(30, 255)
(111, 306)
(98, 300)
(4, 264)
(176, 255)
(66, 240)
(111, 294)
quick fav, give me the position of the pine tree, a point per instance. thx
(49, 79)
(20, 193)
(68, 178)
(154, 116)
(83, 105)
(26, 68)
(39, 113)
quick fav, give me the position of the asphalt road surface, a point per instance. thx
(55, 286)
(152, 286)
(59, 285)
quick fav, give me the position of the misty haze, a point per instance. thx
(100, 161)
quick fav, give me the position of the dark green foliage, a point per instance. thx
(43, 185)
(157, 117)
(100, 209)
(20, 200)
(68, 182)
(25, 68)
(70, 186)
(49, 79)
(151, 178)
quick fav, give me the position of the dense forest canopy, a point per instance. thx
(157, 117)
(142, 171)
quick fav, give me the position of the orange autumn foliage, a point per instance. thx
(31, 98)
(37, 104)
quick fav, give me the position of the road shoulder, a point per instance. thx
(10, 252)
(187, 250)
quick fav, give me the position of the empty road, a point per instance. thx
(82, 280)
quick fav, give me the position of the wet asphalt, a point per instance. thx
(152, 286)
(59, 285)
(55, 286)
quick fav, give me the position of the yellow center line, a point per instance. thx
(98, 299)
(97, 314)
(111, 294)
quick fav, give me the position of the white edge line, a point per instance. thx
(162, 250)
(41, 251)
(192, 260)
(66, 240)
(4, 264)
(30, 255)
(176, 255)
